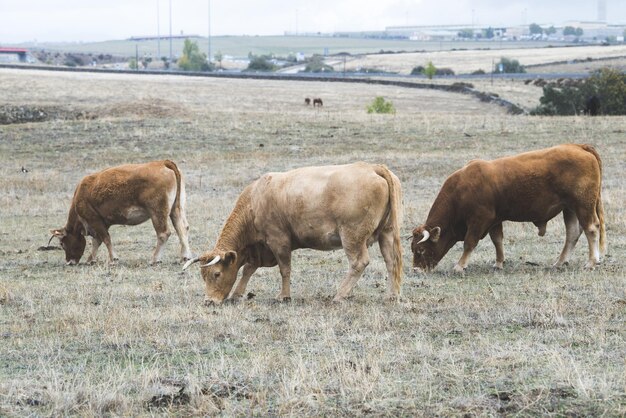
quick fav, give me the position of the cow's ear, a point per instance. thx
(230, 257)
(59, 233)
(435, 233)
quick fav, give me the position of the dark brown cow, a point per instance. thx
(530, 187)
(125, 195)
(324, 208)
(317, 102)
(307, 101)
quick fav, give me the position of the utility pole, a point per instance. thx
(209, 55)
(170, 32)
(158, 32)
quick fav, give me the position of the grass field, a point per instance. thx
(136, 340)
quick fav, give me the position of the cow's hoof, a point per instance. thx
(498, 266)
(393, 298)
(591, 265)
(459, 270)
(285, 299)
(155, 262)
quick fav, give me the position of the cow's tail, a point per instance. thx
(599, 205)
(395, 219)
(179, 202)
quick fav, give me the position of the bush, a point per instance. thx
(419, 70)
(317, 65)
(193, 59)
(444, 71)
(509, 66)
(260, 63)
(379, 105)
(430, 70)
(607, 86)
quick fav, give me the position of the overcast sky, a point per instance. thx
(91, 20)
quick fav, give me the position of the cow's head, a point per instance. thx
(219, 272)
(423, 245)
(72, 242)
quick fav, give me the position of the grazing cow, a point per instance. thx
(125, 195)
(323, 208)
(307, 101)
(593, 106)
(317, 102)
(530, 187)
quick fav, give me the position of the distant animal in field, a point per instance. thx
(317, 102)
(24, 170)
(324, 208)
(593, 106)
(531, 187)
(307, 101)
(125, 195)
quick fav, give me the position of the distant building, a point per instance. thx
(15, 55)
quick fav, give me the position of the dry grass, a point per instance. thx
(467, 61)
(135, 340)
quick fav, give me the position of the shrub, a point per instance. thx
(379, 105)
(444, 71)
(419, 70)
(607, 85)
(430, 70)
(317, 65)
(260, 63)
(193, 59)
(509, 66)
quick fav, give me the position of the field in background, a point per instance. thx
(136, 340)
(240, 46)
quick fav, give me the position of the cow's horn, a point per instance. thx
(426, 236)
(214, 261)
(190, 262)
(50, 240)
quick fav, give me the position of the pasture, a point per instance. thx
(136, 340)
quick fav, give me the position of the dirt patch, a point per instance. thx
(25, 114)
(149, 108)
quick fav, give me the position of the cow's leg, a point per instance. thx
(385, 242)
(248, 271)
(572, 233)
(474, 233)
(95, 244)
(102, 234)
(358, 257)
(179, 220)
(590, 223)
(497, 236)
(163, 233)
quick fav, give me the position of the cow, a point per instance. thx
(324, 208)
(307, 101)
(125, 195)
(593, 106)
(317, 102)
(533, 187)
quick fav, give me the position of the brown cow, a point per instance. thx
(125, 195)
(323, 208)
(317, 102)
(530, 187)
(307, 101)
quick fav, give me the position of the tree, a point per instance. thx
(430, 70)
(488, 33)
(260, 63)
(507, 65)
(466, 33)
(607, 86)
(550, 31)
(317, 65)
(570, 30)
(193, 59)
(535, 29)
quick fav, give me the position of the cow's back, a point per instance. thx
(313, 203)
(532, 186)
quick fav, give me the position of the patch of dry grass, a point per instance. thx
(467, 61)
(135, 340)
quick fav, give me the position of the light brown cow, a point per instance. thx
(323, 208)
(125, 195)
(530, 187)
